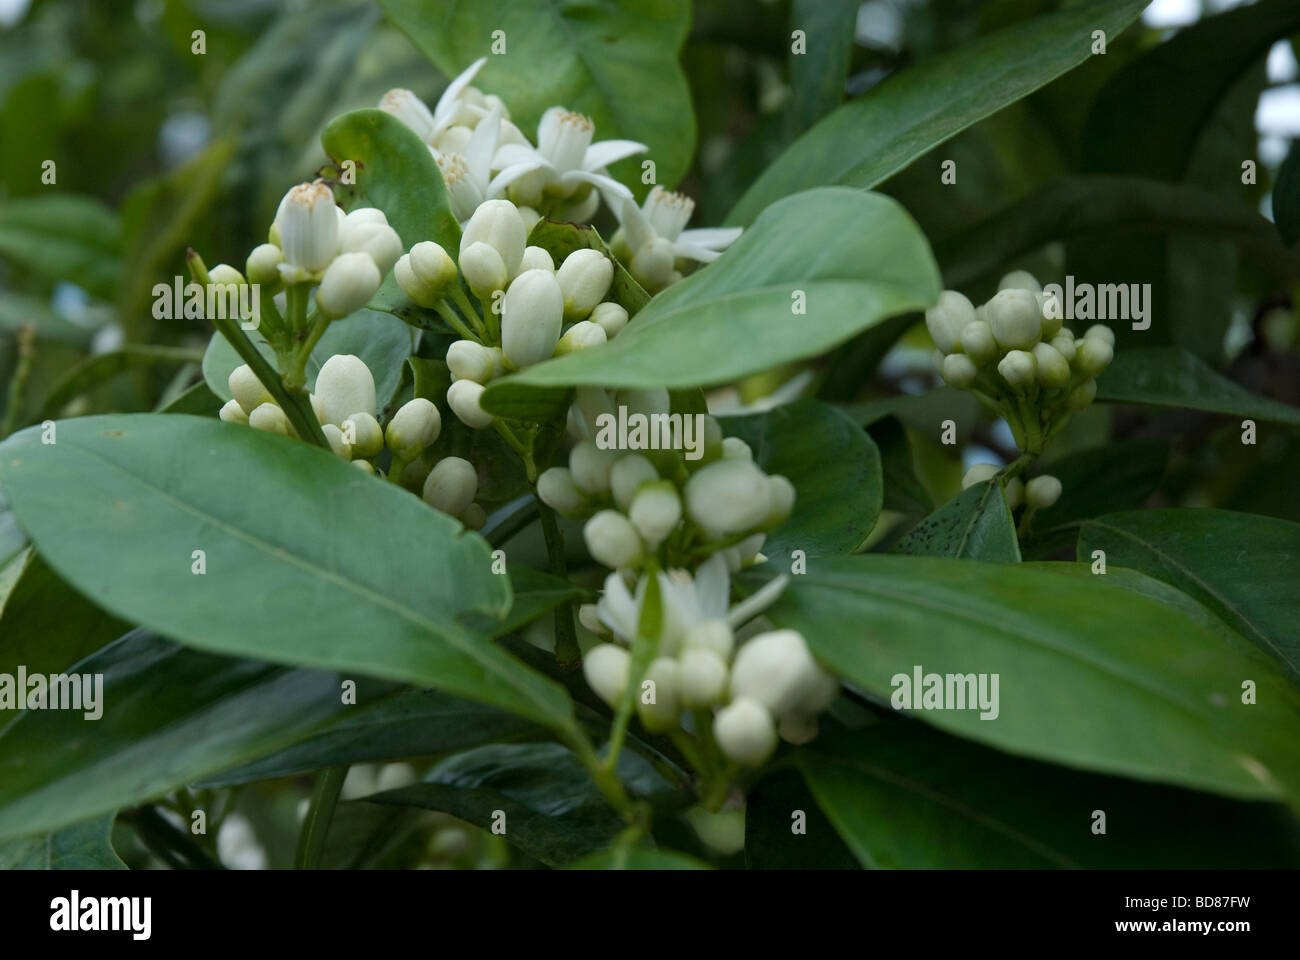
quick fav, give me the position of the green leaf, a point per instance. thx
(198, 400)
(850, 367)
(1242, 566)
(639, 859)
(403, 724)
(382, 341)
(818, 73)
(615, 61)
(1099, 206)
(857, 257)
(308, 561)
(169, 716)
(85, 846)
(903, 796)
(100, 368)
(1171, 377)
(904, 492)
(835, 469)
(869, 139)
(770, 841)
(12, 539)
(1286, 196)
(1133, 688)
(45, 625)
(64, 236)
(554, 813)
(975, 525)
(1117, 476)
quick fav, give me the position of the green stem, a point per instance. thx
(315, 828)
(467, 308)
(517, 445)
(526, 513)
(444, 310)
(567, 652)
(26, 354)
(172, 845)
(396, 468)
(297, 375)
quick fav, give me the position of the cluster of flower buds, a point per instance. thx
(484, 157)
(346, 255)
(747, 694)
(1038, 494)
(543, 311)
(660, 504)
(1013, 353)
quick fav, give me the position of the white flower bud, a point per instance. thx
(781, 494)
(611, 317)
(652, 265)
(584, 279)
(580, 336)
(349, 283)
(649, 402)
(589, 618)
(628, 473)
(307, 224)
(484, 270)
(1014, 316)
(498, 224)
(232, 412)
(468, 360)
(465, 397)
(948, 318)
(656, 510)
(612, 540)
(1053, 369)
(1051, 325)
(451, 486)
(339, 446)
(1082, 395)
(532, 313)
(665, 709)
(978, 473)
(606, 667)
(364, 232)
(414, 426)
(592, 467)
(733, 448)
(798, 728)
(263, 265)
(530, 216)
(959, 370)
(703, 677)
(474, 517)
(224, 275)
(1101, 332)
(713, 634)
(556, 489)
(1043, 491)
(365, 466)
(778, 671)
(344, 386)
(728, 496)
(1015, 491)
(1020, 280)
(536, 258)
(247, 390)
(1063, 343)
(366, 436)
(745, 732)
(1018, 368)
(1093, 356)
(426, 273)
(978, 343)
(410, 109)
(270, 418)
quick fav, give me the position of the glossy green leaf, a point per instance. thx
(308, 561)
(1170, 377)
(858, 258)
(1134, 688)
(84, 846)
(903, 491)
(904, 796)
(198, 400)
(974, 525)
(871, 138)
(12, 539)
(382, 341)
(1286, 196)
(169, 716)
(615, 61)
(1242, 566)
(553, 811)
(102, 367)
(818, 72)
(64, 235)
(771, 843)
(835, 469)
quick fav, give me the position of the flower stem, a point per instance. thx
(567, 653)
(444, 310)
(26, 339)
(315, 828)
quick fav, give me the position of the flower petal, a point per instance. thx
(610, 151)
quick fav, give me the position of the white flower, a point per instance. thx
(348, 284)
(605, 667)
(498, 224)
(365, 433)
(532, 314)
(580, 336)
(425, 273)
(948, 318)
(556, 489)
(232, 412)
(465, 397)
(344, 386)
(467, 172)
(270, 418)
(612, 540)
(728, 496)
(1015, 317)
(1042, 491)
(565, 158)
(247, 389)
(745, 732)
(414, 426)
(367, 231)
(307, 224)
(584, 279)
(664, 216)
(662, 711)
(451, 486)
(777, 670)
(408, 108)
